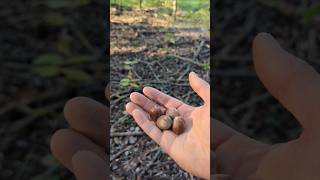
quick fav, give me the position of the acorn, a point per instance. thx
(172, 112)
(156, 111)
(164, 122)
(178, 125)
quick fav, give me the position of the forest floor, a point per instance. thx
(240, 99)
(147, 51)
(33, 94)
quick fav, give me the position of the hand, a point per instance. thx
(191, 149)
(296, 85)
(82, 148)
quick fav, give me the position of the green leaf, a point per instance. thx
(206, 66)
(134, 85)
(46, 71)
(49, 59)
(76, 74)
(77, 60)
(132, 62)
(309, 13)
(55, 19)
(127, 67)
(64, 44)
(125, 82)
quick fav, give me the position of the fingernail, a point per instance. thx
(135, 111)
(269, 38)
(193, 73)
(126, 106)
(144, 89)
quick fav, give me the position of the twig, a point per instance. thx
(285, 8)
(185, 72)
(120, 120)
(188, 60)
(163, 82)
(120, 152)
(197, 52)
(34, 114)
(151, 162)
(232, 58)
(250, 22)
(152, 71)
(246, 118)
(225, 117)
(119, 134)
(250, 102)
(83, 39)
(8, 107)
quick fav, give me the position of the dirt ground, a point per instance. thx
(240, 99)
(32, 101)
(147, 51)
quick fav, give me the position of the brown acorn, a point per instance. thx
(164, 122)
(156, 111)
(178, 125)
(163, 109)
(172, 112)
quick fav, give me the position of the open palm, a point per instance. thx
(191, 149)
(296, 85)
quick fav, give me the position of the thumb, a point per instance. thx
(200, 86)
(289, 79)
(88, 165)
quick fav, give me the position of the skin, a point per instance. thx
(82, 147)
(296, 85)
(191, 149)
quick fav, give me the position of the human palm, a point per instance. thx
(191, 149)
(296, 85)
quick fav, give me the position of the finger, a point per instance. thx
(225, 140)
(142, 101)
(164, 139)
(200, 86)
(149, 127)
(290, 80)
(107, 91)
(221, 133)
(130, 107)
(162, 98)
(88, 165)
(66, 142)
(88, 117)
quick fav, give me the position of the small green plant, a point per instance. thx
(55, 19)
(310, 13)
(169, 38)
(206, 66)
(52, 65)
(128, 80)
